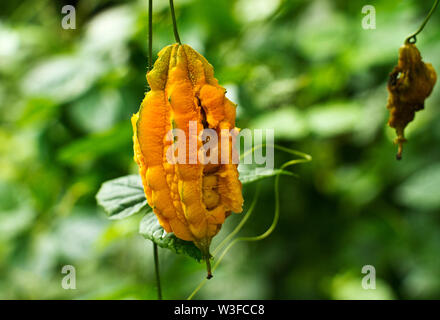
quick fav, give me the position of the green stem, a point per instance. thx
(150, 34)
(208, 267)
(156, 269)
(150, 66)
(412, 38)
(173, 16)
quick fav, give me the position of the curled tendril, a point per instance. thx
(412, 38)
(304, 158)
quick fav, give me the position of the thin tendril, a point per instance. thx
(173, 16)
(305, 158)
(251, 208)
(200, 286)
(412, 38)
(237, 229)
(240, 225)
(281, 148)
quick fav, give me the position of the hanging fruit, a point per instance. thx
(409, 84)
(191, 199)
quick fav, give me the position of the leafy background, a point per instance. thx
(306, 68)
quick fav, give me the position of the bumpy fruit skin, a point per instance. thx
(191, 199)
(409, 84)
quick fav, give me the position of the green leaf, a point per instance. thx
(421, 190)
(38, 110)
(288, 121)
(123, 197)
(151, 229)
(334, 119)
(98, 110)
(62, 78)
(97, 144)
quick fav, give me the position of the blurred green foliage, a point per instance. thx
(305, 68)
